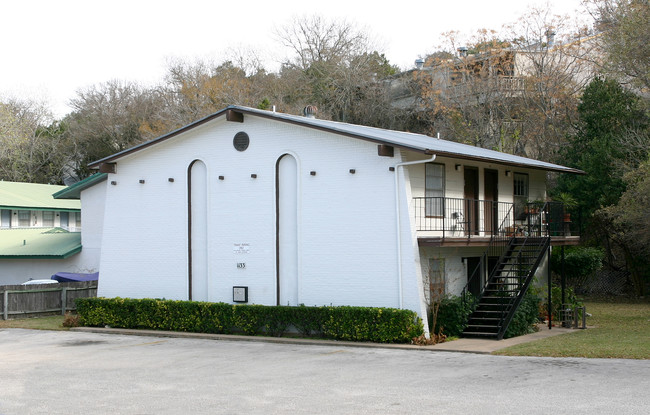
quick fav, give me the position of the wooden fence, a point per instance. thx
(32, 300)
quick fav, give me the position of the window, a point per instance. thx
(48, 218)
(434, 280)
(23, 217)
(434, 189)
(520, 193)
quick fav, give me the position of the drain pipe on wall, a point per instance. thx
(399, 226)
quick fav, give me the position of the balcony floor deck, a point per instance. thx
(476, 240)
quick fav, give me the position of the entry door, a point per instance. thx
(5, 220)
(287, 230)
(490, 207)
(475, 284)
(64, 220)
(471, 200)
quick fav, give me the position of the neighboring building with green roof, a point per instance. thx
(38, 243)
(31, 205)
(41, 234)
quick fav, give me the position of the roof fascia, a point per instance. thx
(73, 191)
(188, 127)
(40, 209)
(504, 163)
(97, 163)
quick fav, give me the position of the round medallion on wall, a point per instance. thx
(241, 141)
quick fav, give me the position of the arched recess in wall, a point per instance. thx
(197, 228)
(286, 188)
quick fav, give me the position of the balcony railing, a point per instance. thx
(457, 218)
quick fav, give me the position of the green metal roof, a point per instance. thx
(74, 191)
(34, 196)
(40, 243)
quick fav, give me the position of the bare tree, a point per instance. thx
(332, 66)
(625, 39)
(108, 118)
(31, 144)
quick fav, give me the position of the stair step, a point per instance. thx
(479, 334)
(493, 324)
(487, 311)
(510, 293)
(483, 329)
(511, 274)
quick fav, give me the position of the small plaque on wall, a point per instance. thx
(240, 294)
(241, 248)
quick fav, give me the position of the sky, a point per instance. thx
(53, 48)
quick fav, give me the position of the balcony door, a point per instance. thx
(490, 211)
(471, 200)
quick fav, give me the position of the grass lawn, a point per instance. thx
(37, 323)
(620, 330)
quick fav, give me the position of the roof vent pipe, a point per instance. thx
(310, 111)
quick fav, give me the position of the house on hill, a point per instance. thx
(268, 208)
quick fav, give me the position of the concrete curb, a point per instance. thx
(478, 346)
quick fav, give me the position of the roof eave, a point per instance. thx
(559, 169)
(270, 115)
(73, 191)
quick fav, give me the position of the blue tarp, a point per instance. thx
(71, 277)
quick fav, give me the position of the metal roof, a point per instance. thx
(34, 196)
(409, 141)
(74, 191)
(39, 243)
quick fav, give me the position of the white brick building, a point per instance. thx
(301, 211)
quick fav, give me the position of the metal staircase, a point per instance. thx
(506, 285)
(513, 260)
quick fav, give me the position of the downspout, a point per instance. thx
(399, 226)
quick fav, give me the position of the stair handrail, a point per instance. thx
(497, 238)
(514, 302)
(544, 235)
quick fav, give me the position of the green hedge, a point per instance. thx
(381, 325)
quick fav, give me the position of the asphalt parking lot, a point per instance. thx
(47, 372)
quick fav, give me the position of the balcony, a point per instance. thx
(481, 90)
(455, 221)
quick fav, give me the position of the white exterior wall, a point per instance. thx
(455, 264)
(93, 200)
(346, 222)
(455, 179)
(17, 271)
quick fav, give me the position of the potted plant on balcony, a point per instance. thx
(533, 206)
(568, 202)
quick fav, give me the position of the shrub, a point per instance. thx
(571, 301)
(385, 325)
(70, 320)
(453, 315)
(580, 263)
(525, 318)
